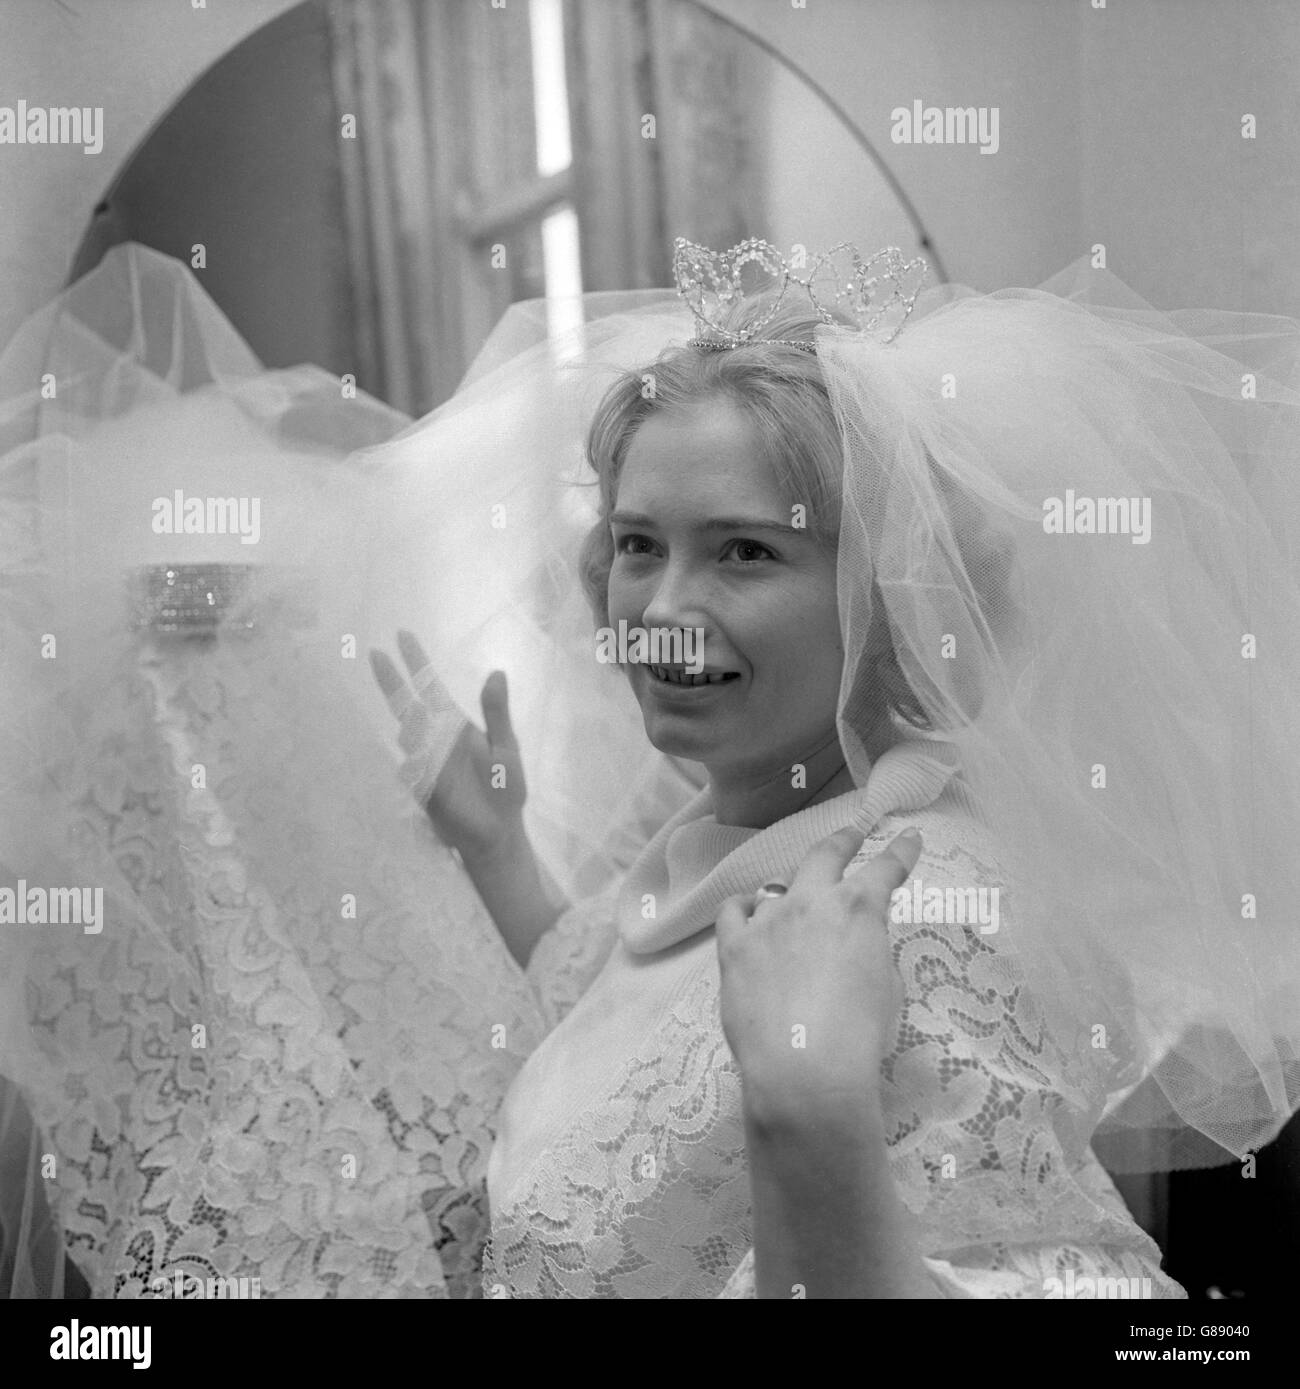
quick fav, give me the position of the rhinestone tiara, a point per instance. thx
(876, 293)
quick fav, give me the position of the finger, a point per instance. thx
(495, 703)
(762, 901)
(904, 848)
(418, 731)
(412, 652)
(428, 686)
(889, 870)
(396, 691)
(824, 864)
(732, 919)
(413, 718)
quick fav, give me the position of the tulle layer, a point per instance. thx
(1077, 516)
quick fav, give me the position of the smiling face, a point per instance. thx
(703, 539)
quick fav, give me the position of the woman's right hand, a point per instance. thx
(469, 781)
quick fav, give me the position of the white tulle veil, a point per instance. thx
(1124, 712)
(1079, 514)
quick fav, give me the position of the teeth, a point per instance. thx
(674, 675)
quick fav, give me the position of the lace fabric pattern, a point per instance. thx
(571, 954)
(646, 1194)
(253, 1080)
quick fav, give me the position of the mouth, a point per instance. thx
(680, 676)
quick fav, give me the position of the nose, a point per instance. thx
(679, 599)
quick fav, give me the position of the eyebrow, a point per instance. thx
(717, 523)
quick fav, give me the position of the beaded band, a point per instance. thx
(188, 599)
(712, 345)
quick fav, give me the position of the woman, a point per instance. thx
(772, 645)
(283, 1055)
(911, 1124)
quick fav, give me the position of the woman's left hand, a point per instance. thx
(810, 992)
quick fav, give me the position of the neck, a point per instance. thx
(755, 801)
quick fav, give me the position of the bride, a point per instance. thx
(752, 1066)
(882, 1110)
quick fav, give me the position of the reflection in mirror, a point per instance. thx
(368, 185)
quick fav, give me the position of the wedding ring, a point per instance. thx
(769, 890)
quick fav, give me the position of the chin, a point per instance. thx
(673, 742)
(668, 736)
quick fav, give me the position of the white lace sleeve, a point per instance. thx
(988, 1119)
(1127, 1268)
(1022, 1271)
(569, 956)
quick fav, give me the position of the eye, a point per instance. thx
(748, 551)
(633, 544)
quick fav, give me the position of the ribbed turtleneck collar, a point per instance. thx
(693, 864)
